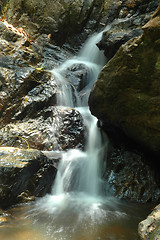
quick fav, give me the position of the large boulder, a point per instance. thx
(126, 95)
(24, 175)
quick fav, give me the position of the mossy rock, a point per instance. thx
(127, 92)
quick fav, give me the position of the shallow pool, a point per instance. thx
(74, 219)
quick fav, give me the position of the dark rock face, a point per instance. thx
(24, 174)
(62, 20)
(28, 94)
(130, 177)
(24, 91)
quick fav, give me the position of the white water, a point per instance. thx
(79, 171)
(76, 201)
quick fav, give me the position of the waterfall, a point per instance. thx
(76, 201)
(79, 171)
(76, 208)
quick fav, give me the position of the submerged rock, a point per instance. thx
(149, 229)
(24, 175)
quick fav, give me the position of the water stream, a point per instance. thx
(76, 209)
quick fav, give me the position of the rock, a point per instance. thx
(8, 34)
(129, 177)
(152, 28)
(111, 41)
(24, 92)
(149, 229)
(28, 94)
(64, 20)
(123, 29)
(126, 94)
(53, 55)
(77, 75)
(24, 174)
(138, 7)
(55, 128)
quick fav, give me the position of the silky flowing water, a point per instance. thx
(76, 209)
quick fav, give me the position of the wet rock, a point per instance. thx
(150, 228)
(152, 28)
(127, 25)
(7, 33)
(126, 94)
(27, 90)
(17, 64)
(24, 174)
(111, 41)
(25, 87)
(77, 74)
(53, 55)
(54, 128)
(129, 177)
(24, 92)
(65, 20)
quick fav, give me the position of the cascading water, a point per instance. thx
(79, 171)
(76, 200)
